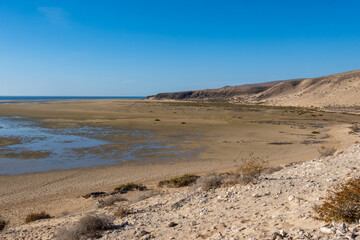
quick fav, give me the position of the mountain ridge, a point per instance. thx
(335, 90)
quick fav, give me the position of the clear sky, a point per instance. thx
(139, 48)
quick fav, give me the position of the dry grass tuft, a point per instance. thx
(129, 187)
(252, 166)
(355, 128)
(37, 216)
(214, 181)
(3, 223)
(246, 172)
(326, 151)
(122, 211)
(111, 201)
(342, 203)
(209, 182)
(89, 226)
(186, 180)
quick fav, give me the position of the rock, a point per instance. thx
(341, 231)
(172, 224)
(327, 230)
(352, 236)
(291, 197)
(331, 180)
(193, 223)
(282, 233)
(143, 233)
(124, 224)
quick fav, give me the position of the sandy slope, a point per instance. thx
(341, 89)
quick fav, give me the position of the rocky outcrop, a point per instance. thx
(222, 94)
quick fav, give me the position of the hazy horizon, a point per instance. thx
(140, 48)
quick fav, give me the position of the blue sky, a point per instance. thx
(139, 48)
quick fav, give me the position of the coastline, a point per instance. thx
(224, 136)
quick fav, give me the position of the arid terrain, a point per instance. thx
(337, 92)
(225, 136)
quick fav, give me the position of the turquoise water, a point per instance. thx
(81, 146)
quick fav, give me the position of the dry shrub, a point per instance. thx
(3, 223)
(355, 128)
(36, 216)
(252, 166)
(111, 200)
(214, 181)
(209, 182)
(342, 203)
(326, 151)
(231, 179)
(186, 180)
(147, 195)
(64, 213)
(272, 170)
(129, 187)
(122, 211)
(246, 172)
(89, 226)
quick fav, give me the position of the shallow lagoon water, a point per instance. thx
(77, 146)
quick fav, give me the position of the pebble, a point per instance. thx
(327, 230)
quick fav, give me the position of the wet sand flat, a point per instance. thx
(225, 134)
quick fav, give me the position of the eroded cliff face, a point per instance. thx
(222, 94)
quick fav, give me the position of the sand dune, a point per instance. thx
(329, 91)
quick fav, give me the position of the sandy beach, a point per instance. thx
(226, 134)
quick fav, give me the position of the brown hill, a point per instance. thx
(337, 90)
(221, 94)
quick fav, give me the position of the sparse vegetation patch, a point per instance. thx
(122, 211)
(36, 216)
(89, 226)
(252, 166)
(246, 172)
(124, 188)
(342, 203)
(326, 151)
(355, 128)
(111, 201)
(186, 180)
